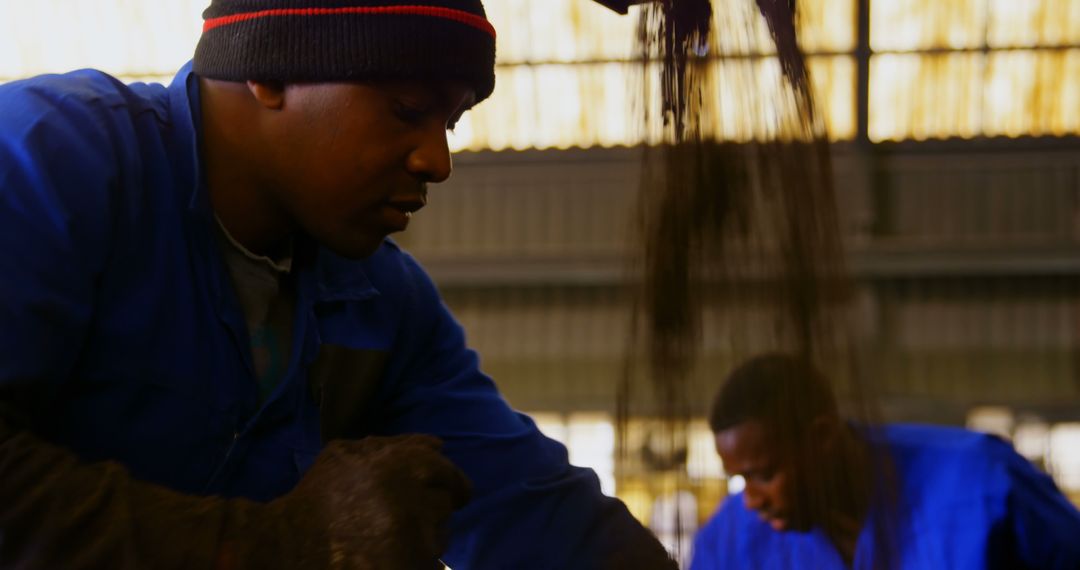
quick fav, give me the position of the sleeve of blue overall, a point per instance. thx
(530, 508)
(58, 166)
(1045, 525)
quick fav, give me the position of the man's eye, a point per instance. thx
(450, 126)
(763, 475)
(409, 113)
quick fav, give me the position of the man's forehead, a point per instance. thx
(746, 441)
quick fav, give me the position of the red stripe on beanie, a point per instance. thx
(461, 16)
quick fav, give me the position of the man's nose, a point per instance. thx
(430, 160)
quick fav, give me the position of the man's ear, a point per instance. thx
(269, 94)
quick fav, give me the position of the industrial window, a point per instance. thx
(136, 40)
(967, 68)
(912, 69)
(566, 76)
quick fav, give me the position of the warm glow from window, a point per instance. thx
(1029, 93)
(827, 25)
(551, 425)
(702, 461)
(1010, 93)
(127, 38)
(1029, 23)
(589, 438)
(982, 92)
(823, 26)
(1064, 457)
(563, 80)
(833, 81)
(591, 441)
(586, 105)
(559, 31)
(1032, 440)
(897, 25)
(922, 96)
(997, 420)
(558, 105)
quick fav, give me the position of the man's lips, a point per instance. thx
(408, 205)
(399, 210)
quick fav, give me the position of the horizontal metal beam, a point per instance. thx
(871, 263)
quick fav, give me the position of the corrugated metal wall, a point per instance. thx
(966, 259)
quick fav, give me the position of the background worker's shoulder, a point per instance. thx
(934, 438)
(966, 463)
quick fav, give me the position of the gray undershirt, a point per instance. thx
(268, 298)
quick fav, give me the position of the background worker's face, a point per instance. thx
(351, 161)
(773, 483)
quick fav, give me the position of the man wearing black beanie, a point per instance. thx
(212, 356)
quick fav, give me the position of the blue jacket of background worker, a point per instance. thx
(966, 500)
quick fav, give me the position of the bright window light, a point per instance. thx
(675, 520)
(551, 425)
(126, 38)
(736, 485)
(1032, 440)
(591, 441)
(563, 80)
(702, 462)
(997, 420)
(1064, 459)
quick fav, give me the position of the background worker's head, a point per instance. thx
(776, 424)
(337, 110)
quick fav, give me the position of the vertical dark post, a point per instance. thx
(875, 180)
(862, 76)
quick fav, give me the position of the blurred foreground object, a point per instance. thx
(741, 239)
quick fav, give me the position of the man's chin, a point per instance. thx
(785, 523)
(790, 524)
(355, 249)
(779, 525)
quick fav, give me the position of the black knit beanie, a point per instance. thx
(341, 40)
